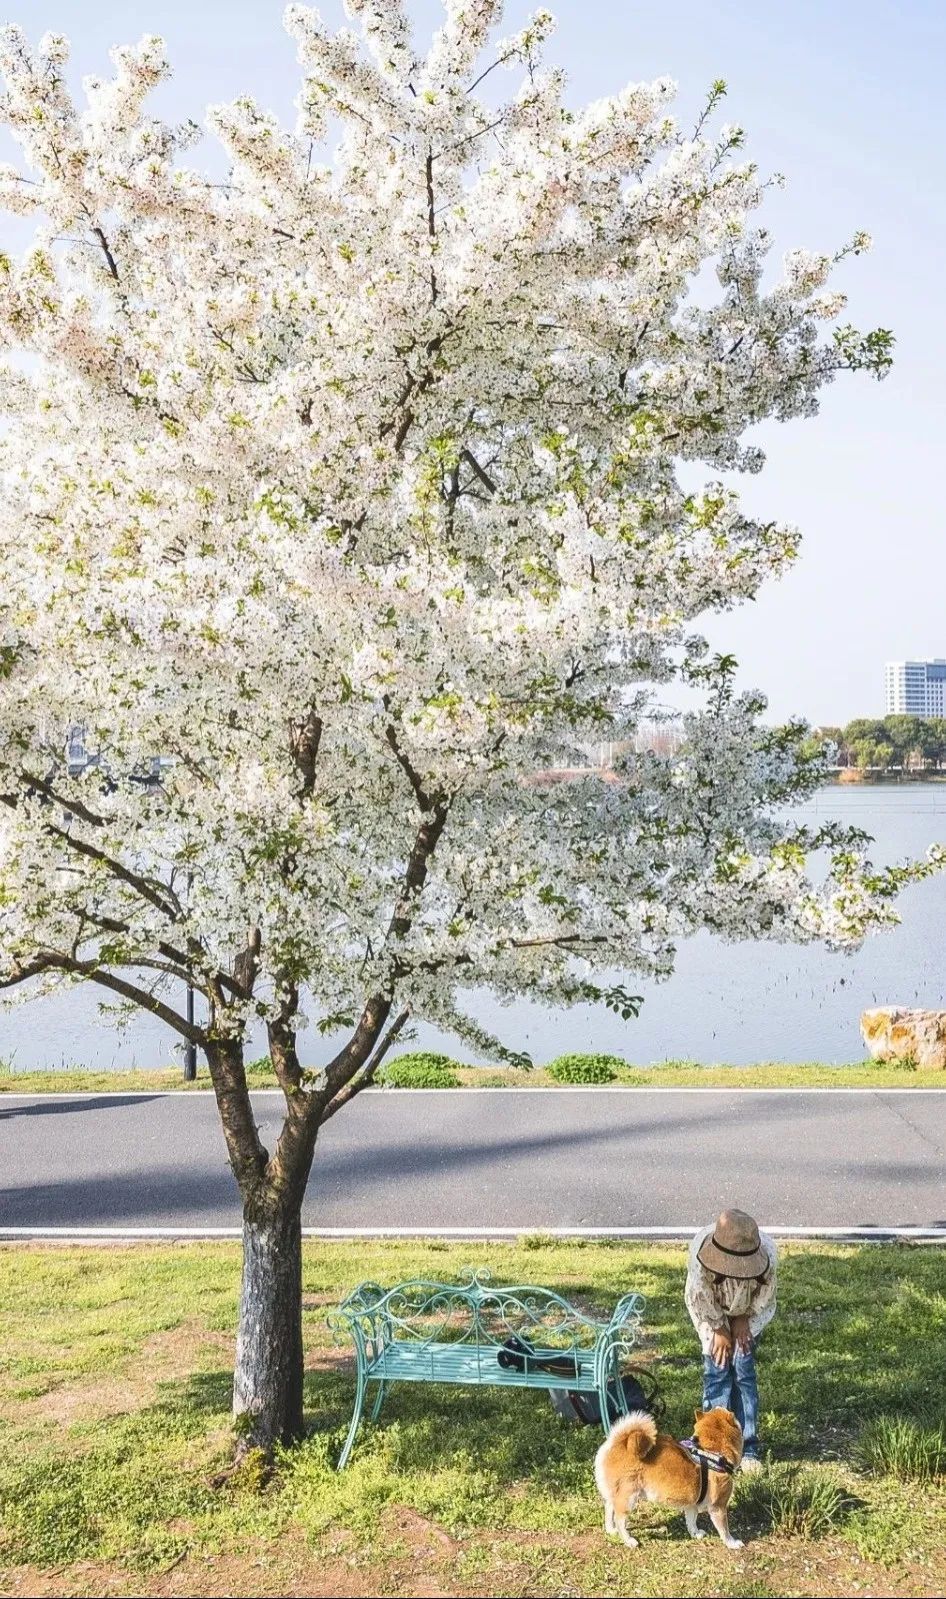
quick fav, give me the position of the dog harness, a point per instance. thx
(707, 1462)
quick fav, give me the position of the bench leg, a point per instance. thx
(379, 1400)
(603, 1407)
(355, 1420)
(606, 1422)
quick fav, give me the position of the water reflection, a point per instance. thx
(733, 1003)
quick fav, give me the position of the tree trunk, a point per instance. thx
(267, 1383)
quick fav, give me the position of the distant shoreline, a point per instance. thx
(853, 774)
(860, 1075)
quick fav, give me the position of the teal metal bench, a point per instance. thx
(438, 1332)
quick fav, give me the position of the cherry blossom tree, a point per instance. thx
(349, 482)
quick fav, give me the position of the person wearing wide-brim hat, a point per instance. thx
(730, 1294)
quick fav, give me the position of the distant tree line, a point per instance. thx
(887, 743)
(913, 743)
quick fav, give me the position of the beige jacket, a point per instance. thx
(712, 1304)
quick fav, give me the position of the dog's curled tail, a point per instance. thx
(637, 1432)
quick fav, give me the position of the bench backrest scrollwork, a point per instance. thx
(473, 1311)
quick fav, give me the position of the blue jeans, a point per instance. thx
(734, 1386)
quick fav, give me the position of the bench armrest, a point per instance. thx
(619, 1337)
(363, 1316)
(627, 1313)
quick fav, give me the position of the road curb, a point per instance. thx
(597, 1090)
(684, 1231)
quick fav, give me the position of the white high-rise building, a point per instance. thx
(915, 688)
(77, 755)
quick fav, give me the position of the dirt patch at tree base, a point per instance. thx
(161, 1358)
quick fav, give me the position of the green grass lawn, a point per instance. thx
(670, 1074)
(114, 1419)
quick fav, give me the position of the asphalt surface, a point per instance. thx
(491, 1159)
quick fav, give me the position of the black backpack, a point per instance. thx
(638, 1391)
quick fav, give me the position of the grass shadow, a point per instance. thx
(202, 1393)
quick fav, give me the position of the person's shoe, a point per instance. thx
(751, 1459)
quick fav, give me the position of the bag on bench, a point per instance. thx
(517, 1354)
(638, 1387)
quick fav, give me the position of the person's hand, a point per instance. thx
(720, 1348)
(741, 1334)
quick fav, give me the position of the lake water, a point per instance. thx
(733, 1003)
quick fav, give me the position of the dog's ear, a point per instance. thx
(698, 1415)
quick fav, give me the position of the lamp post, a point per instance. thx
(190, 1048)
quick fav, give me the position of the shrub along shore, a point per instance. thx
(426, 1069)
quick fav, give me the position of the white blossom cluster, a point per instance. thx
(351, 484)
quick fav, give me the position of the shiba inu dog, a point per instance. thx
(636, 1462)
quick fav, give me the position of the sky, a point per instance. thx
(845, 100)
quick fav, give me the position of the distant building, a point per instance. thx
(916, 688)
(77, 754)
(79, 758)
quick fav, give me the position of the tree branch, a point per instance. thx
(411, 384)
(248, 1157)
(369, 1072)
(43, 785)
(33, 968)
(415, 875)
(246, 964)
(108, 254)
(482, 474)
(451, 149)
(54, 960)
(499, 62)
(431, 219)
(461, 958)
(354, 1054)
(424, 800)
(140, 996)
(140, 884)
(305, 738)
(282, 1045)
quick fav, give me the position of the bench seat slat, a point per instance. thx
(404, 1361)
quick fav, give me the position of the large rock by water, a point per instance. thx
(918, 1035)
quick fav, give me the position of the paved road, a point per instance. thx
(500, 1159)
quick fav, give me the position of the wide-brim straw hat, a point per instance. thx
(734, 1248)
